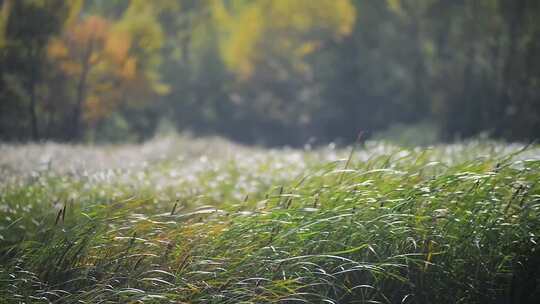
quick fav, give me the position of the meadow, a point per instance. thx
(184, 220)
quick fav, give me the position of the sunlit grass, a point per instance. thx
(180, 220)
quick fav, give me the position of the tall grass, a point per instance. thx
(447, 224)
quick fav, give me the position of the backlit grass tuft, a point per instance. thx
(180, 220)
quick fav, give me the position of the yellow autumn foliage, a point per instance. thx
(57, 49)
(254, 31)
(117, 45)
(103, 56)
(241, 51)
(129, 69)
(91, 30)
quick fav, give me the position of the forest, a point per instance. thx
(269, 72)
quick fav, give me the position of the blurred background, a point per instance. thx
(270, 72)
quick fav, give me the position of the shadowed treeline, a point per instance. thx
(269, 71)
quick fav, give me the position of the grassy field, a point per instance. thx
(180, 220)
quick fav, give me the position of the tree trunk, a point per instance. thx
(33, 114)
(418, 64)
(81, 93)
(34, 59)
(513, 16)
(4, 18)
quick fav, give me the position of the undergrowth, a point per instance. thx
(195, 224)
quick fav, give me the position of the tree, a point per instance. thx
(25, 27)
(268, 71)
(266, 44)
(112, 63)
